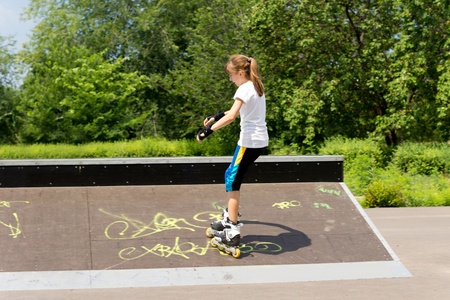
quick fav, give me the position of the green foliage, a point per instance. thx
(277, 147)
(423, 159)
(84, 100)
(149, 147)
(363, 160)
(6, 60)
(412, 174)
(411, 189)
(360, 173)
(355, 68)
(154, 36)
(352, 148)
(383, 194)
(9, 96)
(421, 190)
(9, 100)
(199, 83)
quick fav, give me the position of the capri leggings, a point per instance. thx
(242, 159)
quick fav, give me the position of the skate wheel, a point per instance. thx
(228, 252)
(208, 234)
(213, 244)
(237, 253)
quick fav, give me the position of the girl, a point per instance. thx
(250, 103)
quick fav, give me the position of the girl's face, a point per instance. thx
(238, 78)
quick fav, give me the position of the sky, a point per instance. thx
(11, 23)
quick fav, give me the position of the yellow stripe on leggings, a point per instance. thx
(240, 155)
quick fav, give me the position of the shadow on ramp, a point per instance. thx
(289, 241)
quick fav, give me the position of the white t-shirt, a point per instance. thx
(253, 117)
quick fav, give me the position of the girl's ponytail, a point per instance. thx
(249, 65)
(255, 77)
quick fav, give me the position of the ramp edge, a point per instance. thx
(11, 281)
(370, 223)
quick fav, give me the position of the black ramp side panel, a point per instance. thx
(170, 171)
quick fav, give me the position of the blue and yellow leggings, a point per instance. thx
(242, 159)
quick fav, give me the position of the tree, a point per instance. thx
(8, 94)
(353, 68)
(90, 99)
(373, 68)
(152, 35)
(198, 83)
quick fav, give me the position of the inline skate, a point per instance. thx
(219, 225)
(228, 239)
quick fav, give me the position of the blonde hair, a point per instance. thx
(249, 65)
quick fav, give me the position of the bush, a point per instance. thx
(352, 148)
(383, 194)
(277, 147)
(363, 160)
(411, 189)
(423, 159)
(360, 173)
(422, 190)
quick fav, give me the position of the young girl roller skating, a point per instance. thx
(250, 103)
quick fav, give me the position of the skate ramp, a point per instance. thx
(131, 236)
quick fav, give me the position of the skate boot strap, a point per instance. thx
(225, 213)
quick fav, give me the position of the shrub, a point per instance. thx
(422, 190)
(412, 189)
(423, 159)
(383, 194)
(352, 148)
(277, 147)
(360, 173)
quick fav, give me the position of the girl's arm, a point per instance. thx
(229, 115)
(224, 121)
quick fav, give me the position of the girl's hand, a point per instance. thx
(204, 133)
(207, 121)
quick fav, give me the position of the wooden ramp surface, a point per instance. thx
(148, 227)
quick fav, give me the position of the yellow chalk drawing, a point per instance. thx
(260, 247)
(285, 204)
(209, 215)
(160, 250)
(8, 203)
(15, 230)
(128, 228)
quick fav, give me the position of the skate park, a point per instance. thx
(84, 227)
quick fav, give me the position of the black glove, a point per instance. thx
(205, 132)
(217, 116)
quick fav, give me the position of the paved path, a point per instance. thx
(419, 237)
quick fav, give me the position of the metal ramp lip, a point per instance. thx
(166, 160)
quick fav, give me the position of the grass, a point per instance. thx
(136, 148)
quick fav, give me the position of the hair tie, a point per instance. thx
(249, 60)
